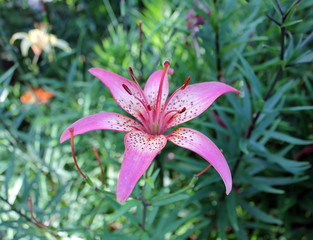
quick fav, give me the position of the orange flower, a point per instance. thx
(36, 96)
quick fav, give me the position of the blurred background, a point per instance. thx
(262, 48)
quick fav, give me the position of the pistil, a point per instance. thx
(157, 112)
(158, 103)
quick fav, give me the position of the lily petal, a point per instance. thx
(126, 99)
(62, 45)
(152, 88)
(101, 121)
(25, 45)
(140, 149)
(18, 35)
(196, 98)
(202, 145)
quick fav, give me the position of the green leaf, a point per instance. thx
(72, 71)
(293, 109)
(286, 138)
(243, 145)
(289, 165)
(260, 185)
(272, 101)
(57, 198)
(281, 181)
(290, 12)
(6, 78)
(247, 103)
(258, 214)
(149, 181)
(221, 221)
(306, 57)
(231, 210)
(8, 174)
(123, 209)
(286, 24)
(203, 224)
(250, 75)
(169, 200)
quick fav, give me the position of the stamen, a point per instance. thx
(131, 72)
(185, 83)
(30, 200)
(182, 110)
(167, 118)
(203, 171)
(99, 162)
(73, 152)
(144, 105)
(130, 93)
(127, 89)
(142, 93)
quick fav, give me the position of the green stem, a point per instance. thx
(278, 76)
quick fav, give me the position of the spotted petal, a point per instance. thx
(196, 98)
(202, 145)
(140, 149)
(123, 98)
(101, 121)
(152, 88)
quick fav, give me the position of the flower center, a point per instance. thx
(154, 119)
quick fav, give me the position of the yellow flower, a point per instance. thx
(39, 40)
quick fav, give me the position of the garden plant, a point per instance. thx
(211, 107)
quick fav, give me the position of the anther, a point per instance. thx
(149, 107)
(31, 213)
(71, 130)
(166, 64)
(131, 72)
(127, 89)
(182, 110)
(185, 83)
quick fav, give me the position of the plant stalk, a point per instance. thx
(278, 76)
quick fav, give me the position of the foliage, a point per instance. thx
(266, 132)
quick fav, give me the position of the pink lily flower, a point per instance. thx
(145, 138)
